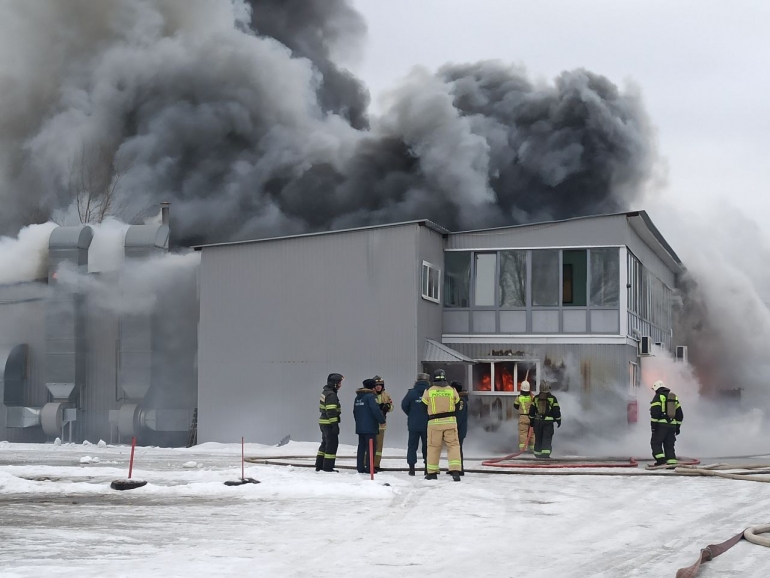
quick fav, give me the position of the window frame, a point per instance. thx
(425, 285)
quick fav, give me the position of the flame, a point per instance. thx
(504, 379)
(485, 384)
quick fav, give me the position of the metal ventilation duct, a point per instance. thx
(13, 375)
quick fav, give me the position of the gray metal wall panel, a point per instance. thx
(101, 391)
(648, 258)
(430, 248)
(278, 316)
(605, 230)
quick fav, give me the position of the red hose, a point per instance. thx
(631, 463)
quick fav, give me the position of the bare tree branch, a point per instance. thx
(95, 183)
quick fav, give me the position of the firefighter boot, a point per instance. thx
(411, 469)
(456, 476)
(431, 476)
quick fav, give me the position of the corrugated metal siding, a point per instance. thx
(604, 230)
(430, 248)
(278, 316)
(648, 258)
(99, 396)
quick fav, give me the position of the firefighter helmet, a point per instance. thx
(658, 384)
(334, 379)
(545, 387)
(525, 386)
(379, 381)
(439, 376)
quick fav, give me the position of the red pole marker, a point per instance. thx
(131, 462)
(243, 475)
(371, 458)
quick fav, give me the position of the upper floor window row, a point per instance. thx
(522, 278)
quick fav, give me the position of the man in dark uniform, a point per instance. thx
(417, 422)
(329, 422)
(543, 413)
(666, 417)
(368, 416)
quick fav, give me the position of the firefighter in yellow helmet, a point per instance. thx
(386, 406)
(442, 401)
(522, 404)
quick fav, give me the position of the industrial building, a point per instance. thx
(578, 303)
(85, 359)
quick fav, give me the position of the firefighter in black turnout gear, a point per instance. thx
(666, 418)
(329, 405)
(543, 413)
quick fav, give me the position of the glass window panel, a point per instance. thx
(457, 279)
(545, 278)
(513, 279)
(482, 377)
(484, 282)
(574, 278)
(505, 377)
(605, 277)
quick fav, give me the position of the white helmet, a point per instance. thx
(525, 385)
(658, 384)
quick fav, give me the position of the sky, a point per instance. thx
(60, 518)
(700, 65)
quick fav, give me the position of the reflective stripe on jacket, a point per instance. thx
(522, 403)
(386, 406)
(552, 410)
(658, 408)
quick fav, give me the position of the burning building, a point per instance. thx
(89, 355)
(578, 303)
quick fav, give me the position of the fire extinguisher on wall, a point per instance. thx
(633, 411)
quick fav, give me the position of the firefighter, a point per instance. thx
(543, 412)
(666, 418)
(416, 422)
(386, 406)
(522, 403)
(442, 402)
(368, 416)
(329, 422)
(462, 420)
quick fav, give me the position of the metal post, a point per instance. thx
(131, 461)
(371, 458)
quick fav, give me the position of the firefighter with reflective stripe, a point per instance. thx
(462, 420)
(442, 402)
(543, 413)
(666, 418)
(522, 403)
(368, 416)
(329, 422)
(386, 406)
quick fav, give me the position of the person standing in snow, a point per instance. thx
(442, 402)
(666, 418)
(386, 406)
(522, 403)
(329, 422)
(368, 416)
(462, 420)
(543, 413)
(416, 422)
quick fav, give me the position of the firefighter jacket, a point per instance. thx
(329, 405)
(462, 415)
(665, 408)
(386, 405)
(367, 413)
(545, 407)
(522, 403)
(442, 402)
(415, 410)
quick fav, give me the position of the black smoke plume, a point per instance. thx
(238, 114)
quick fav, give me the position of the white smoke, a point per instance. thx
(25, 257)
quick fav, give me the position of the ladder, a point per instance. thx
(192, 439)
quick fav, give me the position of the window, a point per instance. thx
(513, 279)
(545, 278)
(431, 282)
(457, 279)
(605, 277)
(574, 274)
(484, 285)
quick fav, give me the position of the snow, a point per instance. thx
(58, 517)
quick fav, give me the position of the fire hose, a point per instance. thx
(713, 550)
(621, 463)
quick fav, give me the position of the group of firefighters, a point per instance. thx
(437, 415)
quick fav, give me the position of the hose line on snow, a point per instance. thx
(713, 550)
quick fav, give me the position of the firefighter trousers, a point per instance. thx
(438, 435)
(523, 431)
(378, 451)
(327, 452)
(543, 431)
(662, 443)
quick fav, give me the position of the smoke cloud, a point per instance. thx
(238, 114)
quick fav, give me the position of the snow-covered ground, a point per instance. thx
(59, 517)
